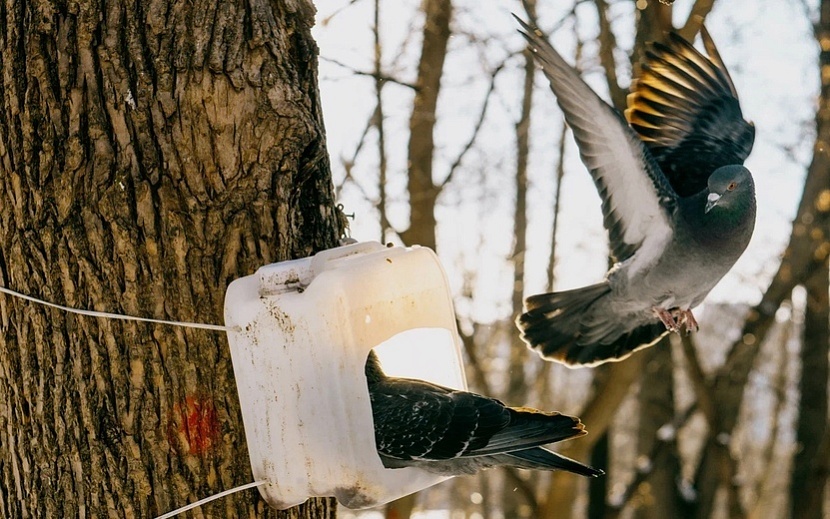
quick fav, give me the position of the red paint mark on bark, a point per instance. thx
(196, 428)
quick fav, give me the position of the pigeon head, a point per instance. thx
(730, 188)
(373, 370)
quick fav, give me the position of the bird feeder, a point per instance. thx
(300, 332)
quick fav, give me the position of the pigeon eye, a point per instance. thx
(731, 186)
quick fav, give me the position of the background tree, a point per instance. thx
(671, 423)
(150, 153)
(811, 466)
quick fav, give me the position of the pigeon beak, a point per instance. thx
(711, 201)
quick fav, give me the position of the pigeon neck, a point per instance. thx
(723, 221)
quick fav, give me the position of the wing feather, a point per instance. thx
(416, 420)
(637, 199)
(685, 108)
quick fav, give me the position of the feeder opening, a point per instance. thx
(423, 353)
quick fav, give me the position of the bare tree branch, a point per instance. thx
(473, 361)
(376, 75)
(607, 46)
(479, 123)
(780, 389)
(696, 18)
(521, 485)
(557, 205)
(598, 413)
(665, 439)
(484, 387)
(348, 164)
(702, 389)
(516, 382)
(329, 18)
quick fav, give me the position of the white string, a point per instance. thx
(201, 502)
(204, 326)
(92, 313)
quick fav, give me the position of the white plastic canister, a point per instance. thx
(303, 329)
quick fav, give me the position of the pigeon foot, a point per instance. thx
(667, 318)
(686, 319)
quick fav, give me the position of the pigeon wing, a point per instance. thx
(637, 199)
(530, 428)
(416, 420)
(685, 109)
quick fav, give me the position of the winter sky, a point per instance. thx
(770, 52)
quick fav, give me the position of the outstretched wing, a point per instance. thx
(685, 108)
(637, 199)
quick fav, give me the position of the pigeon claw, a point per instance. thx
(677, 319)
(667, 318)
(687, 319)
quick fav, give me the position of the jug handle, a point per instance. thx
(319, 261)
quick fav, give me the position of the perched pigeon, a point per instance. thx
(450, 432)
(678, 205)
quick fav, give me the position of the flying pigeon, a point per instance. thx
(677, 202)
(451, 432)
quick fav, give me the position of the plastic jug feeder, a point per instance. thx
(301, 332)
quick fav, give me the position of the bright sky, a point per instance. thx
(769, 50)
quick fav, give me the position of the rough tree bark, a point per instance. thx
(150, 153)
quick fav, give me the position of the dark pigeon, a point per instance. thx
(677, 202)
(451, 432)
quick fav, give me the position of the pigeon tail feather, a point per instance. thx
(529, 428)
(551, 322)
(543, 459)
(559, 327)
(627, 342)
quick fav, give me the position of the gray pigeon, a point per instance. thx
(451, 432)
(678, 205)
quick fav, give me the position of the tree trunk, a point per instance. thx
(517, 384)
(809, 476)
(423, 192)
(598, 487)
(658, 493)
(808, 480)
(150, 153)
(611, 385)
(653, 24)
(806, 253)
